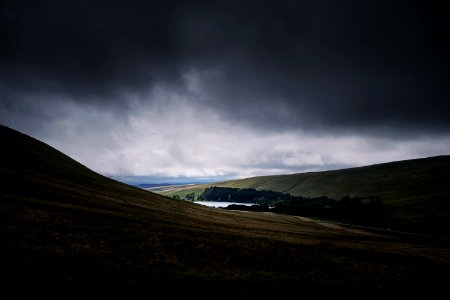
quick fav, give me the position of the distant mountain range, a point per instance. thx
(152, 185)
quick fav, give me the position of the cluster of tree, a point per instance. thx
(246, 195)
(368, 210)
(190, 196)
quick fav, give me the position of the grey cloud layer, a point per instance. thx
(164, 89)
(324, 65)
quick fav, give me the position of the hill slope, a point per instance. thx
(416, 193)
(67, 232)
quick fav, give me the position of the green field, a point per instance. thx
(415, 193)
(69, 233)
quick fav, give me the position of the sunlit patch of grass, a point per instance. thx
(415, 194)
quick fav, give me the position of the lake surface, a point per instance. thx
(221, 204)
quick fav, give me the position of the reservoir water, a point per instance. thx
(220, 204)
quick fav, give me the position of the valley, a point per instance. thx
(69, 231)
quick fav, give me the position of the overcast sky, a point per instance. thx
(210, 90)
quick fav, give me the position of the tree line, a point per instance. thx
(367, 210)
(244, 195)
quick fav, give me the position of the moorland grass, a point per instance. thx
(68, 232)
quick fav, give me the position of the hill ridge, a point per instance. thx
(414, 192)
(68, 231)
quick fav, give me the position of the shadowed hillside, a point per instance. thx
(67, 232)
(415, 193)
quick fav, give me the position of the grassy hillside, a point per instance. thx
(67, 232)
(416, 193)
(393, 181)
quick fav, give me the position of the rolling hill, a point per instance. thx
(415, 193)
(68, 232)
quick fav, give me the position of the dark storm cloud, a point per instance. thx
(89, 48)
(328, 65)
(346, 64)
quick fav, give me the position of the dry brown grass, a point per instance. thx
(67, 232)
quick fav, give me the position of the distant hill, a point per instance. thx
(68, 232)
(415, 192)
(153, 185)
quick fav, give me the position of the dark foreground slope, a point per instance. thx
(415, 193)
(67, 232)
